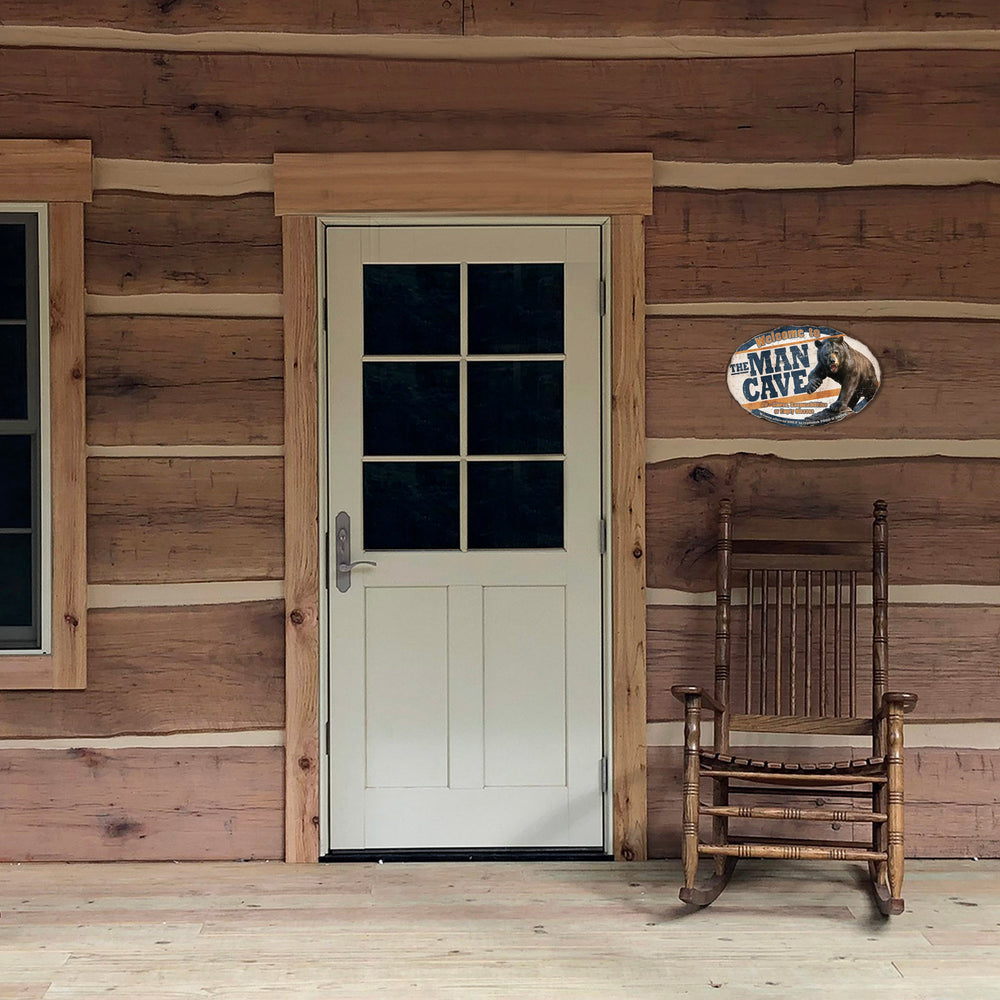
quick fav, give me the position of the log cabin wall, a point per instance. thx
(821, 163)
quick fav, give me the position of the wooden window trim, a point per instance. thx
(619, 185)
(58, 172)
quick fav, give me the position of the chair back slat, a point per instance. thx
(762, 659)
(778, 634)
(748, 632)
(792, 643)
(809, 641)
(823, 609)
(795, 634)
(853, 636)
(837, 645)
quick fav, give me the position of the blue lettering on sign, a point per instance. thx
(800, 355)
(781, 359)
(748, 384)
(768, 390)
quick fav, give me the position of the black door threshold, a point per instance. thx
(409, 854)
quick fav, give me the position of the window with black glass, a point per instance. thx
(20, 434)
(463, 415)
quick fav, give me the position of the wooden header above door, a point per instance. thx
(506, 182)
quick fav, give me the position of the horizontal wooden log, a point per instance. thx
(940, 510)
(142, 805)
(593, 18)
(45, 170)
(165, 670)
(168, 380)
(236, 107)
(951, 808)
(850, 243)
(178, 520)
(942, 103)
(325, 16)
(146, 243)
(922, 657)
(929, 370)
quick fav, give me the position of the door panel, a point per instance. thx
(525, 708)
(406, 724)
(464, 428)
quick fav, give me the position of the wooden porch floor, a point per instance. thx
(255, 930)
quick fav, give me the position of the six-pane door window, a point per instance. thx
(463, 406)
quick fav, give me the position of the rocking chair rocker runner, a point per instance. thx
(798, 672)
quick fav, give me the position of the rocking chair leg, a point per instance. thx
(894, 793)
(720, 824)
(692, 781)
(712, 889)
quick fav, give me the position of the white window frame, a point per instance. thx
(44, 525)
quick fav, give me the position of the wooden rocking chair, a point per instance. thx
(798, 672)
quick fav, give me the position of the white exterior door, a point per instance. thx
(465, 471)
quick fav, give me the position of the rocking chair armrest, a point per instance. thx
(907, 701)
(682, 691)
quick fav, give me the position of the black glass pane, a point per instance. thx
(412, 308)
(515, 308)
(16, 587)
(515, 505)
(12, 272)
(411, 407)
(411, 505)
(13, 373)
(15, 481)
(515, 407)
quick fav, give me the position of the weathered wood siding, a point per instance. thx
(930, 371)
(938, 508)
(142, 805)
(183, 380)
(219, 107)
(214, 668)
(184, 350)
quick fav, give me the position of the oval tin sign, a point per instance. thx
(803, 375)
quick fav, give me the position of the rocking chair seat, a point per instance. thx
(727, 762)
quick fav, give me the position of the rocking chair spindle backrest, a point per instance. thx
(787, 653)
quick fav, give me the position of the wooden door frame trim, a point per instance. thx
(619, 185)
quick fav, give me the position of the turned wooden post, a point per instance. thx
(880, 670)
(723, 613)
(894, 794)
(692, 781)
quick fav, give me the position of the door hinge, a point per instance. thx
(603, 296)
(604, 775)
(326, 317)
(326, 561)
(327, 736)
(603, 540)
